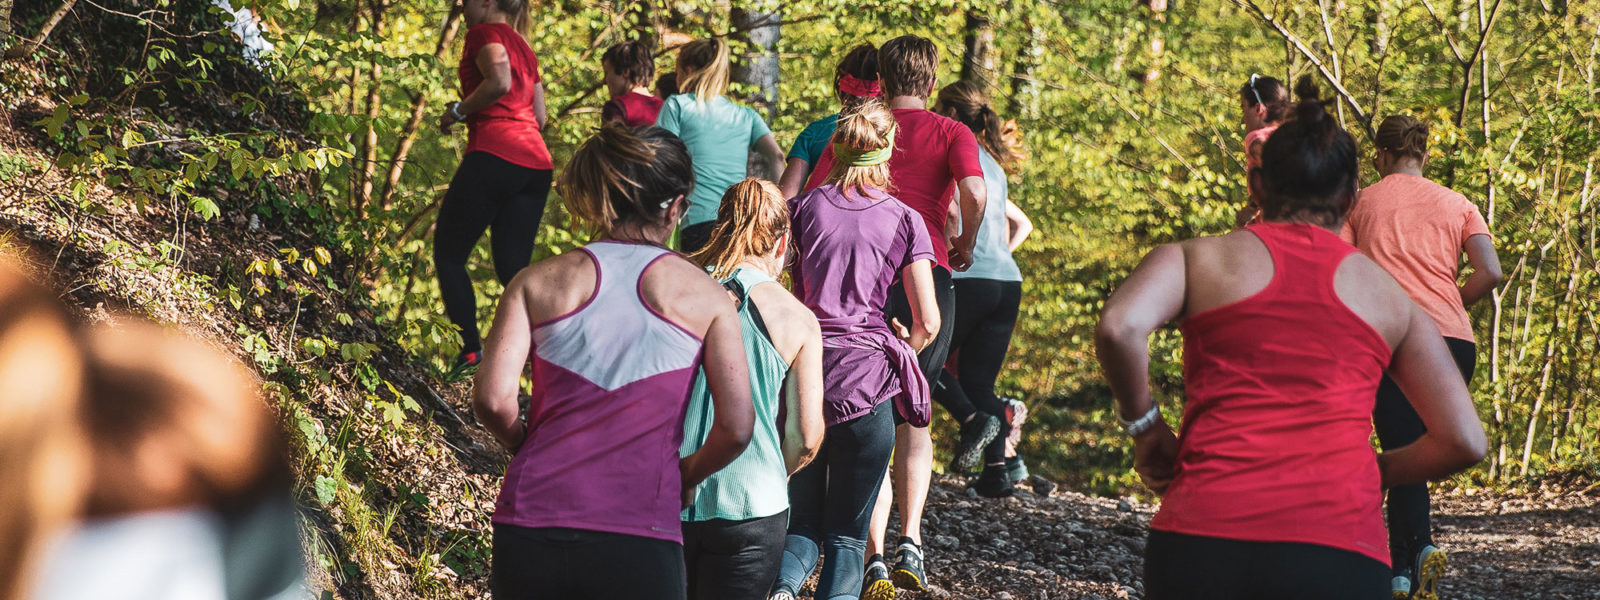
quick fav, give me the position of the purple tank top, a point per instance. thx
(610, 389)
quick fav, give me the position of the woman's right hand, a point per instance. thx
(1155, 457)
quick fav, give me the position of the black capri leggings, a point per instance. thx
(986, 314)
(930, 359)
(553, 562)
(487, 192)
(1397, 424)
(1192, 567)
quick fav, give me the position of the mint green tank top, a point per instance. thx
(756, 484)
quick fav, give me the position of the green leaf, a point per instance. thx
(327, 489)
(355, 351)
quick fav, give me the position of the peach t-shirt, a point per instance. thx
(1415, 229)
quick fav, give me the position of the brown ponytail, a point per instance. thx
(626, 175)
(1309, 166)
(1403, 136)
(966, 103)
(751, 221)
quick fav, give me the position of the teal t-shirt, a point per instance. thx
(991, 255)
(756, 484)
(719, 134)
(813, 139)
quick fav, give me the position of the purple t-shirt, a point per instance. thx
(851, 249)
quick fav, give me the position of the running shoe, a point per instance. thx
(875, 584)
(1431, 564)
(1401, 586)
(995, 482)
(976, 433)
(465, 364)
(908, 571)
(781, 595)
(1017, 469)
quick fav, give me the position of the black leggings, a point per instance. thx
(1397, 425)
(487, 192)
(1191, 567)
(987, 314)
(545, 563)
(694, 237)
(932, 358)
(734, 560)
(831, 503)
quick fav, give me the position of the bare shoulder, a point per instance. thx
(790, 325)
(556, 285)
(682, 292)
(1373, 295)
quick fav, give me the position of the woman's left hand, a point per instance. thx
(446, 119)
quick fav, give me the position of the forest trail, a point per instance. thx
(1544, 544)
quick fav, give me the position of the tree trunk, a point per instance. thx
(757, 64)
(21, 49)
(977, 65)
(369, 144)
(5, 21)
(419, 108)
(1024, 87)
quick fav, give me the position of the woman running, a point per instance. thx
(629, 68)
(733, 533)
(505, 173)
(720, 134)
(1417, 230)
(854, 81)
(854, 239)
(1263, 104)
(616, 329)
(1273, 490)
(988, 296)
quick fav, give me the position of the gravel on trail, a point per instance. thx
(1064, 545)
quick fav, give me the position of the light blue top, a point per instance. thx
(756, 484)
(991, 256)
(808, 146)
(719, 134)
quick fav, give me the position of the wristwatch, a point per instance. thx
(455, 111)
(1138, 426)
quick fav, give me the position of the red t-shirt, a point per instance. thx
(931, 153)
(507, 128)
(1277, 416)
(633, 108)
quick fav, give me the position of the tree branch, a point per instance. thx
(1300, 47)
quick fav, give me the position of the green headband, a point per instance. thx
(864, 158)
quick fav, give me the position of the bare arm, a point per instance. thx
(972, 196)
(803, 424)
(1150, 297)
(918, 278)
(1426, 373)
(728, 378)
(794, 177)
(767, 147)
(538, 104)
(1019, 226)
(505, 352)
(495, 65)
(1485, 269)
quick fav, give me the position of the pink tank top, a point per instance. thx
(610, 389)
(1278, 411)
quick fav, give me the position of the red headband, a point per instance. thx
(862, 88)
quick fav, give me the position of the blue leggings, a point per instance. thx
(831, 503)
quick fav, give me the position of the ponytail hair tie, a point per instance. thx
(861, 88)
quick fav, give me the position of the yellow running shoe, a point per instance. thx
(876, 584)
(1431, 565)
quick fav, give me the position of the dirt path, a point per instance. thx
(1071, 546)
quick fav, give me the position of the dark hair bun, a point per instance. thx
(1310, 108)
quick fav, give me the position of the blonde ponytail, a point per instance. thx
(705, 67)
